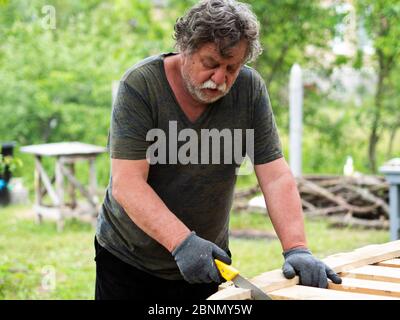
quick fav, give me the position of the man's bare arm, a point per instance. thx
(131, 190)
(283, 202)
(284, 207)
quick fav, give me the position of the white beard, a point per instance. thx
(198, 94)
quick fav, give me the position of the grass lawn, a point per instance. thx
(37, 262)
(29, 253)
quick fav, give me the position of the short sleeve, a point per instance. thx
(267, 145)
(131, 119)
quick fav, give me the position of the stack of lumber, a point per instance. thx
(355, 201)
(368, 273)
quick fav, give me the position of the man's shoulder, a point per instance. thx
(249, 81)
(250, 74)
(142, 69)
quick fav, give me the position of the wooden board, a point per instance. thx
(309, 293)
(395, 263)
(370, 272)
(375, 273)
(367, 286)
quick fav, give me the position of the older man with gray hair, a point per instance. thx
(162, 224)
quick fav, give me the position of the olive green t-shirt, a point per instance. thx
(200, 192)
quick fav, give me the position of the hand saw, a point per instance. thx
(229, 273)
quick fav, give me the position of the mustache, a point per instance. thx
(209, 84)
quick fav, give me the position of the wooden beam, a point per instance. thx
(71, 188)
(77, 184)
(273, 280)
(366, 255)
(47, 183)
(53, 213)
(231, 293)
(93, 180)
(38, 189)
(375, 273)
(310, 293)
(394, 263)
(341, 262)
(47, 212)
(367, 286)
(43, 189)
(60, 192)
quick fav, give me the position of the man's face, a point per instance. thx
(207, 75)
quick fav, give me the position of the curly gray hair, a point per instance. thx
(223, 22)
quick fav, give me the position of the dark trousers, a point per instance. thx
(117, 280)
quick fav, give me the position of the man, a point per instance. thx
(164, 222)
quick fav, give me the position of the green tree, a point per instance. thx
(57, 81)
(293, 32)
(380, 18)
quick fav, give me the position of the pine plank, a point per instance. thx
(367, 286)
(274, 280)
(341, 262)
(310, 293)
(394, 263)
(231, 293)
(375, 273)
(366, 255)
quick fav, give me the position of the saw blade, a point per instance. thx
(256, 293)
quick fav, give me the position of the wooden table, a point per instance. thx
(64, 182)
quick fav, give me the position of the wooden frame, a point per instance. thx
(65, 182)
(368, 273)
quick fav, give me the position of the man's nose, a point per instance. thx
(219, 76)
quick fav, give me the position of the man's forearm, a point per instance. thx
(149, 213)
(285, 211)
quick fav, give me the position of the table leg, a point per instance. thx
(93, 183)
(38, 189)
(71, 188)
(60, 192)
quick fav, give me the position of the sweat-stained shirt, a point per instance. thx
(201, 194)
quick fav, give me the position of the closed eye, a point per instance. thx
(210, 65)
(232, 69)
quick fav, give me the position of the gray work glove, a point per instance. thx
(312, 272)
(195, 259)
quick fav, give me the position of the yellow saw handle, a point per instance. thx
(227, 272)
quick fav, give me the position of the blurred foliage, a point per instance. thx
(12, 163)
(380, 19)
(56, 83)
